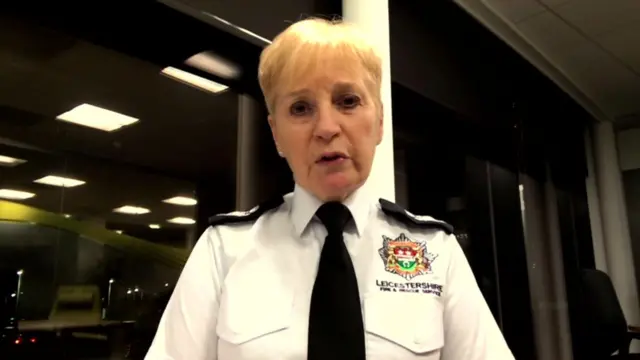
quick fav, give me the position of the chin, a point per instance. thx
(334, 186)
(326, 197)
(335, 192)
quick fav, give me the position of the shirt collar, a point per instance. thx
(304, 207)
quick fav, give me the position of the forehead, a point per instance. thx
(323, 73)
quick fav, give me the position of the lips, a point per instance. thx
(332, 156)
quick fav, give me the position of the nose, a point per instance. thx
(327, 123)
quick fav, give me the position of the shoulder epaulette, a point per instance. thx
(245, 216)
(404, 216)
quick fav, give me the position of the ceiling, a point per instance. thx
(589, 47)
(45, 73)
(184, 134)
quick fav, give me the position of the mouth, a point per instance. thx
(332, 158)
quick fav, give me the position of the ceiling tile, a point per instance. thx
(595, 17)
(547, 32)
(624, 101)
(514, 10)
(582, 57)
(624, 44)
(612, 86)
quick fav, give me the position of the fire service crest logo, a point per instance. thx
(405, 257)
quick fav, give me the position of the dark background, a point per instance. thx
(470, 115)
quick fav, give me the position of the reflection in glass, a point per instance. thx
(101, 157)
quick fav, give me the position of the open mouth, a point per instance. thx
(332, 157)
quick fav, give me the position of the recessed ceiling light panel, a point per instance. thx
(214, 64)
(132, 210)
(9, 161)
(96, 117)
(11, 194)
(193, 80)
(182, 201)
(182, 221)
(60, 181)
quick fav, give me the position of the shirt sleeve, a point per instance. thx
(187, 330)
(471, 332)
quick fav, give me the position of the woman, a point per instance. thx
(328, 271)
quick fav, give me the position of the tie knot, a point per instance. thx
(334, 217)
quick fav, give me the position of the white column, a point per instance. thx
(593, 200)
(617, 239)
(373, 18)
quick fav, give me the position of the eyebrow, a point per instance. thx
(297, 93)
(340, 86)
(345, 86)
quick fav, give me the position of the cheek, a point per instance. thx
(363, 141)
(296, 146)
(370, 129)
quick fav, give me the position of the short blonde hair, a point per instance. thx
(300, 48)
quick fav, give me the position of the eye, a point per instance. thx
(349, 101)
(299, 108)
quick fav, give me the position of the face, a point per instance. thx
(327, 126)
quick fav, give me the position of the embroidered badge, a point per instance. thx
(405, 257)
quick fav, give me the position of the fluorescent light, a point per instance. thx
(15, 194)
(9, 161)
(154, 226)
(182, 221)
(118, 231)
(68, 216)
(181, 200)
(214, 64)
(60, 181)
(193, 80)
(96, 117)
(132, 210)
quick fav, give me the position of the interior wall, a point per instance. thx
(631, 182)
(629, 149)
(628, 142)
(427, 56)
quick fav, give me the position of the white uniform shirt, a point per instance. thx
(245, 291)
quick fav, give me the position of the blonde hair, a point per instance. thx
(303, 46)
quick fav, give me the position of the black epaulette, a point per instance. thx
(404, 216)
(245, 216)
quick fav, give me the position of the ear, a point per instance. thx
(380, 124)
(274, 134)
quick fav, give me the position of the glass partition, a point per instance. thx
(102, 156)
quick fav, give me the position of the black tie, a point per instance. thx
(335, 321)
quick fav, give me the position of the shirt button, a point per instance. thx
(420, 338)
